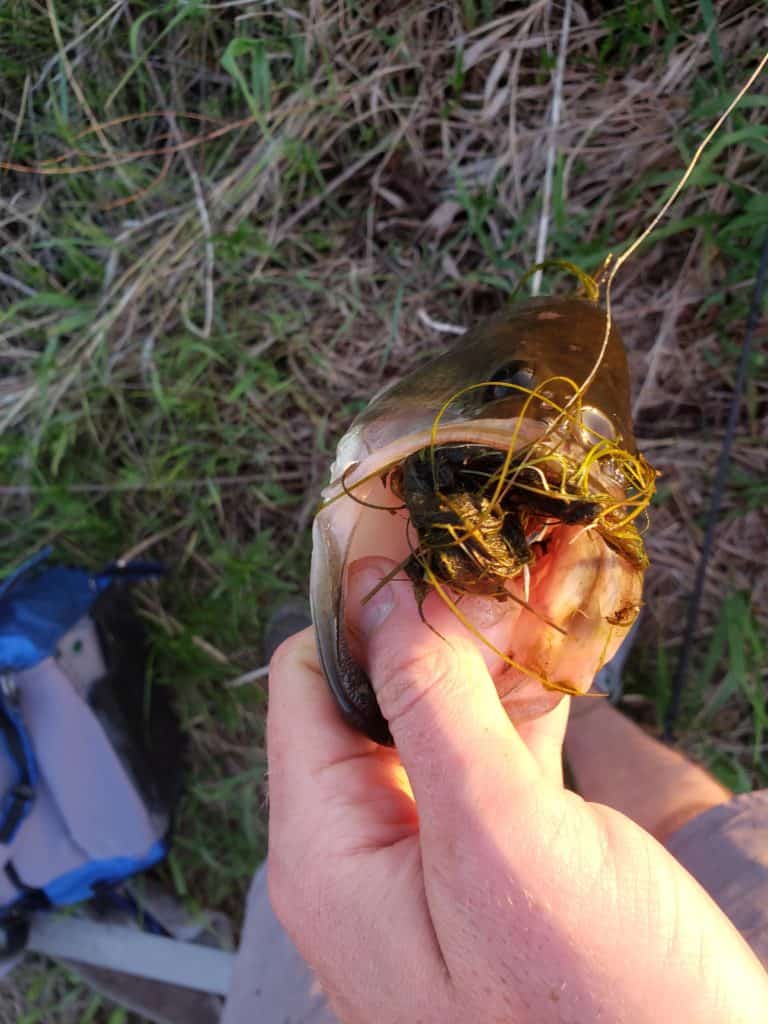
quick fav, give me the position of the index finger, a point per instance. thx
(305, 733)
(330, 788)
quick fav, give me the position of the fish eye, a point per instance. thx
(597, 421)
(516, 373)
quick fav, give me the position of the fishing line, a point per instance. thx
(359, 501)
(718, 489)
(633, 246)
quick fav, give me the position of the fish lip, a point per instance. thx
(357, 458)
(348, 682)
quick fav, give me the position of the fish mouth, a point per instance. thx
(564, 619)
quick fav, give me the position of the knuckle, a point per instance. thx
(285, 666)
(407, 680)
(286, 656)
(296, 652)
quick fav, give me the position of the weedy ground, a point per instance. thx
(225, 225)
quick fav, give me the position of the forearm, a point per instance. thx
(615, 763)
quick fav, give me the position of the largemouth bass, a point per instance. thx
(494, 481)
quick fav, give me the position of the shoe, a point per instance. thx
(291, 617)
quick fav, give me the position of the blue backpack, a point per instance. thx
(90, 771)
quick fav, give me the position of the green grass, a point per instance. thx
(725, 703)
(186, 332)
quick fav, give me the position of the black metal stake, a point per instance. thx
(718, 489)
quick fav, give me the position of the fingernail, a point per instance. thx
(374, 599)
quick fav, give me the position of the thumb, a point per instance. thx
(452, 733)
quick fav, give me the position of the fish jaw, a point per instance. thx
(362, 455)
(581, 584)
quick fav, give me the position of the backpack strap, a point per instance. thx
(172, 961)
(16, 804)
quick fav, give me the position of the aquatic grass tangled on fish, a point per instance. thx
(482, 516)
(489, 506)
(545, 468)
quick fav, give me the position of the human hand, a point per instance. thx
(454, 879)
